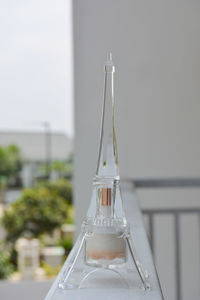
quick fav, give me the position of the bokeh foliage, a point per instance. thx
(39, 210)
(5, 266)
(10, 163)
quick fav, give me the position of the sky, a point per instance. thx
(36, 65)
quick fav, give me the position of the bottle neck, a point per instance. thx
(107, 165)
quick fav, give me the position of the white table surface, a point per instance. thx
(143, 251)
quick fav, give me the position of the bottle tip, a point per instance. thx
(109, 65)
(110, 56)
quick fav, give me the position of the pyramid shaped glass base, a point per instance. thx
(107, 269)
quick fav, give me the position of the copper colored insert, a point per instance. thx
(106, 197)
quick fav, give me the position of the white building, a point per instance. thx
(33, 144)
(36, 148)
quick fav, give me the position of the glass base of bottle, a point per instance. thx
(103, 278)
(86, 272)
(105, 263)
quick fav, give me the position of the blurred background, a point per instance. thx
(51, 61)
(36, 144)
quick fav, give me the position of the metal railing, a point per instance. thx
(175, 212)
(181, 182)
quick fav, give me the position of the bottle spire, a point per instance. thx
(107, 165)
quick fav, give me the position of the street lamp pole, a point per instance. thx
(47, 129)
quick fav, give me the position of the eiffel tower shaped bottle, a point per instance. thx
(103, 255)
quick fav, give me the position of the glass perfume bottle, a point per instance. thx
(103, 255)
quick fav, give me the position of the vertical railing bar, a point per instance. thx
(199, 227)
(178, 254)
(177, 238)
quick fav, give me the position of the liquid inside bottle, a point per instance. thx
(105, 246)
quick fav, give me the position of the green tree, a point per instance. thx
(59, 167)
(60, 187)
(6, 267)
(10, 163)
(39, 210)
(63, 169)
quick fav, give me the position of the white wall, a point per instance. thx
(156, 48)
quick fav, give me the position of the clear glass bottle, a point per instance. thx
(104, 255)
